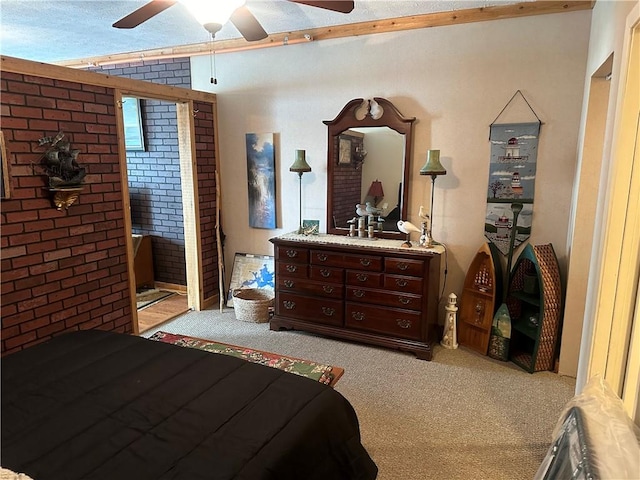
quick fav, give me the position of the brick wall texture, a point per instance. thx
(347, 186)
(67, 270)
(61, 270)
(154, 174)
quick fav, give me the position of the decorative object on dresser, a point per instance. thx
(481, 295)
(376, 120)
(535, 308)
(408, 228)
(310, 227)
(372, 292)
(300, 166)
(434, 168)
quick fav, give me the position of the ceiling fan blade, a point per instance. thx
(144, 13)
(247, 24)
(342, 6)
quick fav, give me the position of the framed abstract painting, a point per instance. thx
(261, 180)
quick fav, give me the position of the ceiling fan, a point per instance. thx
(212, 14)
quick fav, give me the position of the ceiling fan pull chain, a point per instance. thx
(213, 78)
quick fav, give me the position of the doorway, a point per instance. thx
(185, 169)
(156, 208)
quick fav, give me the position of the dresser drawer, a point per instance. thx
(404, 266)
(309, 287)
(401, 283)
(370, 263)
(333, 275)
(316, 310)
(327, 259)
(292, 255)
(364, 279)
(297, 270)
(382, 297)
(386, 320)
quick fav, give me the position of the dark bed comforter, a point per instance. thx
(100, 405)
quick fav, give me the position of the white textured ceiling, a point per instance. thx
(56, 30)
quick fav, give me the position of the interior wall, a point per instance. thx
(584, 210)
(154, 174)
(454, 79)
(606, 36)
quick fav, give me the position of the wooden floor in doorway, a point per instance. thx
(162, 311)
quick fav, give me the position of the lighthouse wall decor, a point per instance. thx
(512, 175)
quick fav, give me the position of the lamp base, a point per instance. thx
(427, 241)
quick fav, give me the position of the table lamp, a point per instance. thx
(300, 166)
(434, 168)
(376, 191)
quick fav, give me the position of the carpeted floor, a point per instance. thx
(460, 416)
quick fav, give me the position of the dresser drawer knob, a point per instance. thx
(292, 268)
(289, 283)
(289, 305)
(401, 282)
(403, 322)
(358, 316)
(328, 288)
(363, 277)
(292, 253)
(322, 257)
(404, 300)
(325, 273)
(358, 293)
(328, 311)
(403, 266)
(365, 262)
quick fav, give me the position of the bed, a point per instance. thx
(104, 405)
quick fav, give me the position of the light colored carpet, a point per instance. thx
(460, 416)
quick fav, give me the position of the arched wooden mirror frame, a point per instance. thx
(351, 117)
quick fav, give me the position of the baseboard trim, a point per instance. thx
(171, 286)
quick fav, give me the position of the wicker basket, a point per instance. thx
(252, 304)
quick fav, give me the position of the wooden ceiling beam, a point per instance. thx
(438, 19)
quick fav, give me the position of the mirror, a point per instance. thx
(369, 152)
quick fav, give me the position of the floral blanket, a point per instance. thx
(326, 374)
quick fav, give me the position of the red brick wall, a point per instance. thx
(206, 167)
(61, 271)
(347, 183)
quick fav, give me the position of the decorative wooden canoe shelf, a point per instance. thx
(481, 294)
(535, 305)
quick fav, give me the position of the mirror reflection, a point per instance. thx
(368, 167)
(373, 177)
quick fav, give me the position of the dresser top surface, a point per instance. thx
(360, 243)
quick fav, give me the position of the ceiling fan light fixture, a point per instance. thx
(212, 14)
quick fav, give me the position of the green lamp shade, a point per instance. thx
(433, 166)
(300, 165)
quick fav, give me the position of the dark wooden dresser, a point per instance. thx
(371, 291)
